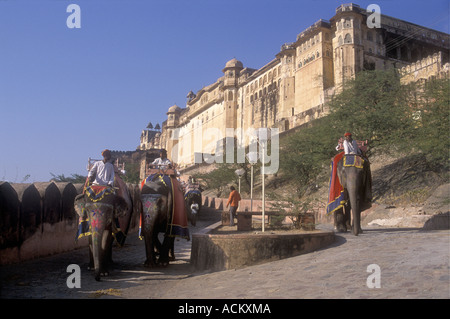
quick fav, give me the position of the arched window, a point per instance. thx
(348, 38)
(340, 40)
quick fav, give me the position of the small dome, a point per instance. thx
(174, 109)
(234, 64)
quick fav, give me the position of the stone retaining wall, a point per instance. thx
(229, 251)
(39, 219)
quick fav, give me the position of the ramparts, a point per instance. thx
(39, 219)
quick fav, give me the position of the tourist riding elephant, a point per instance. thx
(99, 209)
(354, 175)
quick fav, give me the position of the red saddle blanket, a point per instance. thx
(336, 191)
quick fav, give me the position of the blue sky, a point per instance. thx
(67, 94)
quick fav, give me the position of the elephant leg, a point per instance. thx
(172, 249)
(164, 253)
(149, 252)
(339, 222)
(347, 217)
(91, 255)
(158, 245)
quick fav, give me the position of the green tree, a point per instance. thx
(432, 120)
(373, 106)
(75, 178)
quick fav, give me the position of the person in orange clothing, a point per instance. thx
(233, 202)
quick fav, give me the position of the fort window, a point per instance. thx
(340, 40)
(347, 23)
(348, 38)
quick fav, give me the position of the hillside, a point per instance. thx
(406, 127)
(407, 189)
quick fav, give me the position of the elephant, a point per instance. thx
(157, 200)
(99, 209)
(354, 175)
(193, 200)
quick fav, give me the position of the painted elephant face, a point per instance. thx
(100, 215)
(152, 205)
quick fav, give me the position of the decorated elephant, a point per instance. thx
(163, 211)
(350, 191)
(104, 215)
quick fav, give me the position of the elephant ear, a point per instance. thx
(79, 204)
(121, 206)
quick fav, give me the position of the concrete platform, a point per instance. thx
(223, 247)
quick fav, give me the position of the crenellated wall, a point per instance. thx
(431, 66)
(39, 219)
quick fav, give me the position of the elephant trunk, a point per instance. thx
(96, 252)
(101, 237)
(353, 193)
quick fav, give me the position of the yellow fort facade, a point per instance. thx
(295, 86)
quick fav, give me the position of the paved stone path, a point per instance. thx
(412, 264)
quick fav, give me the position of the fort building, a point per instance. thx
(295, 86)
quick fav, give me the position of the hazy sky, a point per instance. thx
(67, 94)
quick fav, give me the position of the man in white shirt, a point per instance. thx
(162, 161)
(102, 173)
(350, 145)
